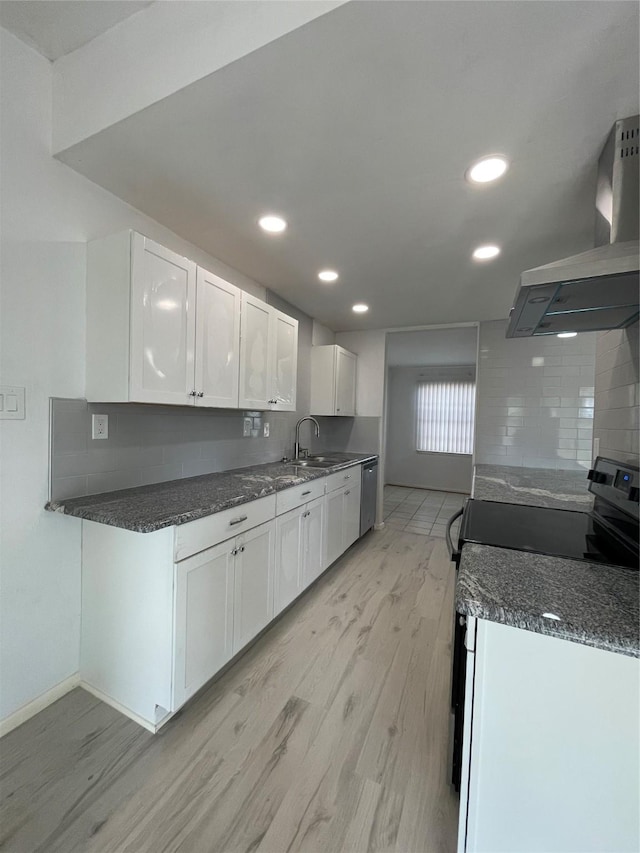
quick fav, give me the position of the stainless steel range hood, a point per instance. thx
(598, 289)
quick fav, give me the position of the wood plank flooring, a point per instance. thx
(330, 734)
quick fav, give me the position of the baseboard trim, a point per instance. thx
(38, 704)
(118, 706)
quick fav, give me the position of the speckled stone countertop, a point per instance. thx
(148, 508)
(597, 605)
(533, 486)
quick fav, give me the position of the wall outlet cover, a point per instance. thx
(247, 426)
(266, 430)
(99, 426)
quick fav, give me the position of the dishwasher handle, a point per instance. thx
(454, 554)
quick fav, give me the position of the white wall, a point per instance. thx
(404, 465)
(535, 399)
(48, 213)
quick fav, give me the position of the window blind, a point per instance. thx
(445, 416)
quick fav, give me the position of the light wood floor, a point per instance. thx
(330, 734)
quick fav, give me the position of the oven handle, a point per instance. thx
(455, 555)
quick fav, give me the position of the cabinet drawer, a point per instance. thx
(197, 535)
(342, 478)
(298, 495)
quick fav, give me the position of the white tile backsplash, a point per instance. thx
(535, 399)
(617, 394)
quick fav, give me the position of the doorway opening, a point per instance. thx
(430, 425)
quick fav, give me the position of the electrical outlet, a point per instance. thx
(99, 426)
(266, 430)
(247, 426)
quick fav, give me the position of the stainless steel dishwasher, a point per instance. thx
(369, 494)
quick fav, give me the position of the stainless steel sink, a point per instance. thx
(312, 463)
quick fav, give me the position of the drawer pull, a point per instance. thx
(306, 493)
(238, 520)
(347, 476)
(348, 492)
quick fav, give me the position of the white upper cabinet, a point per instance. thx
(161, 330)
(163, 317)
(268, 357)
(217, 360)
(284, 364)
(255, 352)
(333, 381)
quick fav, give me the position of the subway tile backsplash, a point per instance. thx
(535, 400)
(617, 394)
(152, 444)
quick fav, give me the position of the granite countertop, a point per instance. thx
(147, 508)
(597, 605)
(533, 486)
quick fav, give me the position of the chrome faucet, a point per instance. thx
(296, 448)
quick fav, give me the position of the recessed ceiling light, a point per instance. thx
(485, 253)
(328, 275)
(360, 308)
(567, 334)
(273, 224)
(487, 169)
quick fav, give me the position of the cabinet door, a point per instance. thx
(163, 297)
(351, 530)
(289, 557)
(334, 527)
(254, 576)
(345, 383)
(203, 619)
(217, 355)
(284, 362)
(313, 544)
(255, 354)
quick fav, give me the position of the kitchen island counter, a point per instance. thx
(532, 486)
(582, 602)
(144, 509)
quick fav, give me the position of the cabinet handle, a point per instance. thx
(242, 549)
(347, 476)
(306, 493)
(238, 520)
(348, 492)
(337, 410)
(200, 393)
(192, 393)
(234, 552)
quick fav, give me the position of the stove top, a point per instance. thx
(555, 532)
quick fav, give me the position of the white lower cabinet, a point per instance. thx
(288, 583)
(204, 598)
(253, 588)
(343, 519)
(551, 744)
(300, 551)
(313, 550)
(163, 612)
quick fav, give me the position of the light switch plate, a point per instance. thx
(247, 425)
(99, 426)
(266, 430)
(11, 403)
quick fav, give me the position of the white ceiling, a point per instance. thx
(56, 27)
(358, 127)
(432, 347)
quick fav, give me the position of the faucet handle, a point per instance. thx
(303, 452)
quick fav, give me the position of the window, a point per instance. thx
(444, 415)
